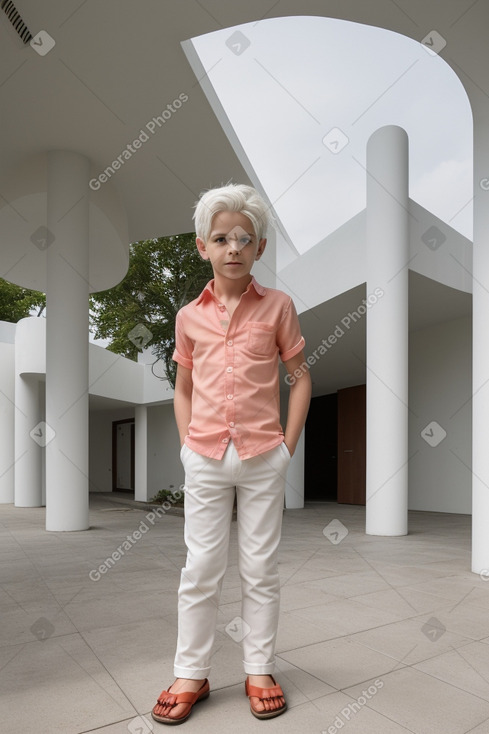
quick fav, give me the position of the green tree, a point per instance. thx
(16, 303)
(164, 274)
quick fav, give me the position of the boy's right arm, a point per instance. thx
(182, 402)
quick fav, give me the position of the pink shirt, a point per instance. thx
(235, 368)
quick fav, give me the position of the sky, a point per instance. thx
(304, 95)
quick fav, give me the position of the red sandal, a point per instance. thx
(167, 701)
(267, 696)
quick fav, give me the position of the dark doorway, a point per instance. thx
(352, 445)
(321, 442)
(123, 455)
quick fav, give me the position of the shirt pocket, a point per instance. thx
(261, 338)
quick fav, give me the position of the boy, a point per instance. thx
(227, 343)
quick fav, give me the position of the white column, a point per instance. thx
(7, 422)
(141, 453)
(294, 486)
(29, 441)
(67, 342)
(480, 349)
(387, 332)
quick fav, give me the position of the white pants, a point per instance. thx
(210, 486)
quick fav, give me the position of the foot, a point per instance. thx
(179, 710)
(276, 703)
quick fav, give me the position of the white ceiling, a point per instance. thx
(116, 64)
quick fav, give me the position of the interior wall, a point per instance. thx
(440, 435)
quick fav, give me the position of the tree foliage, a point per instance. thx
(164, 274)
(17, 303)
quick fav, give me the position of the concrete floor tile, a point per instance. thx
(343, 617)
(404, 602)
(340, 663)
(411, 641)
(352, 584)
(367, 606)
(466, 667)
(59, 685)
(424, 704)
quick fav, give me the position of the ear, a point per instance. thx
(202, 248)
(261, 247)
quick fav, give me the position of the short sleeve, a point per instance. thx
(289, 338)
(183, 345)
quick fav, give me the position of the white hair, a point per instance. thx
(232, 198)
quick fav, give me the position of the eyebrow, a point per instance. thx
(223, 234)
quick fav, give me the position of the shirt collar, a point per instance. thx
(208, 291)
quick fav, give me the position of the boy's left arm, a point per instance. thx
(299, 399)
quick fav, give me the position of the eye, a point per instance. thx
(243, 241)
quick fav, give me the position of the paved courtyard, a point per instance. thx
(377, 635)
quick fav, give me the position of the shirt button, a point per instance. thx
(232, 424)
(229, 369)
(225, 440)
(230, 342)
(230, 397)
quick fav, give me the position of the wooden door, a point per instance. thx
(352, 445)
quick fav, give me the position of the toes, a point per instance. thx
(257, 703)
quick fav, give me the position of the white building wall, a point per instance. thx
(440, 394)
(165, 470)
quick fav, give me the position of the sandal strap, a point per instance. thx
(262, 693)
(172, 699)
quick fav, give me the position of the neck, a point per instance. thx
(226, 289)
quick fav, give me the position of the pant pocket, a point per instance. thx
(285, 450)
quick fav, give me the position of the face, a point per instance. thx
(232, 246)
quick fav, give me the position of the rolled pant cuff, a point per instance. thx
(191, 673)
(258, 668)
